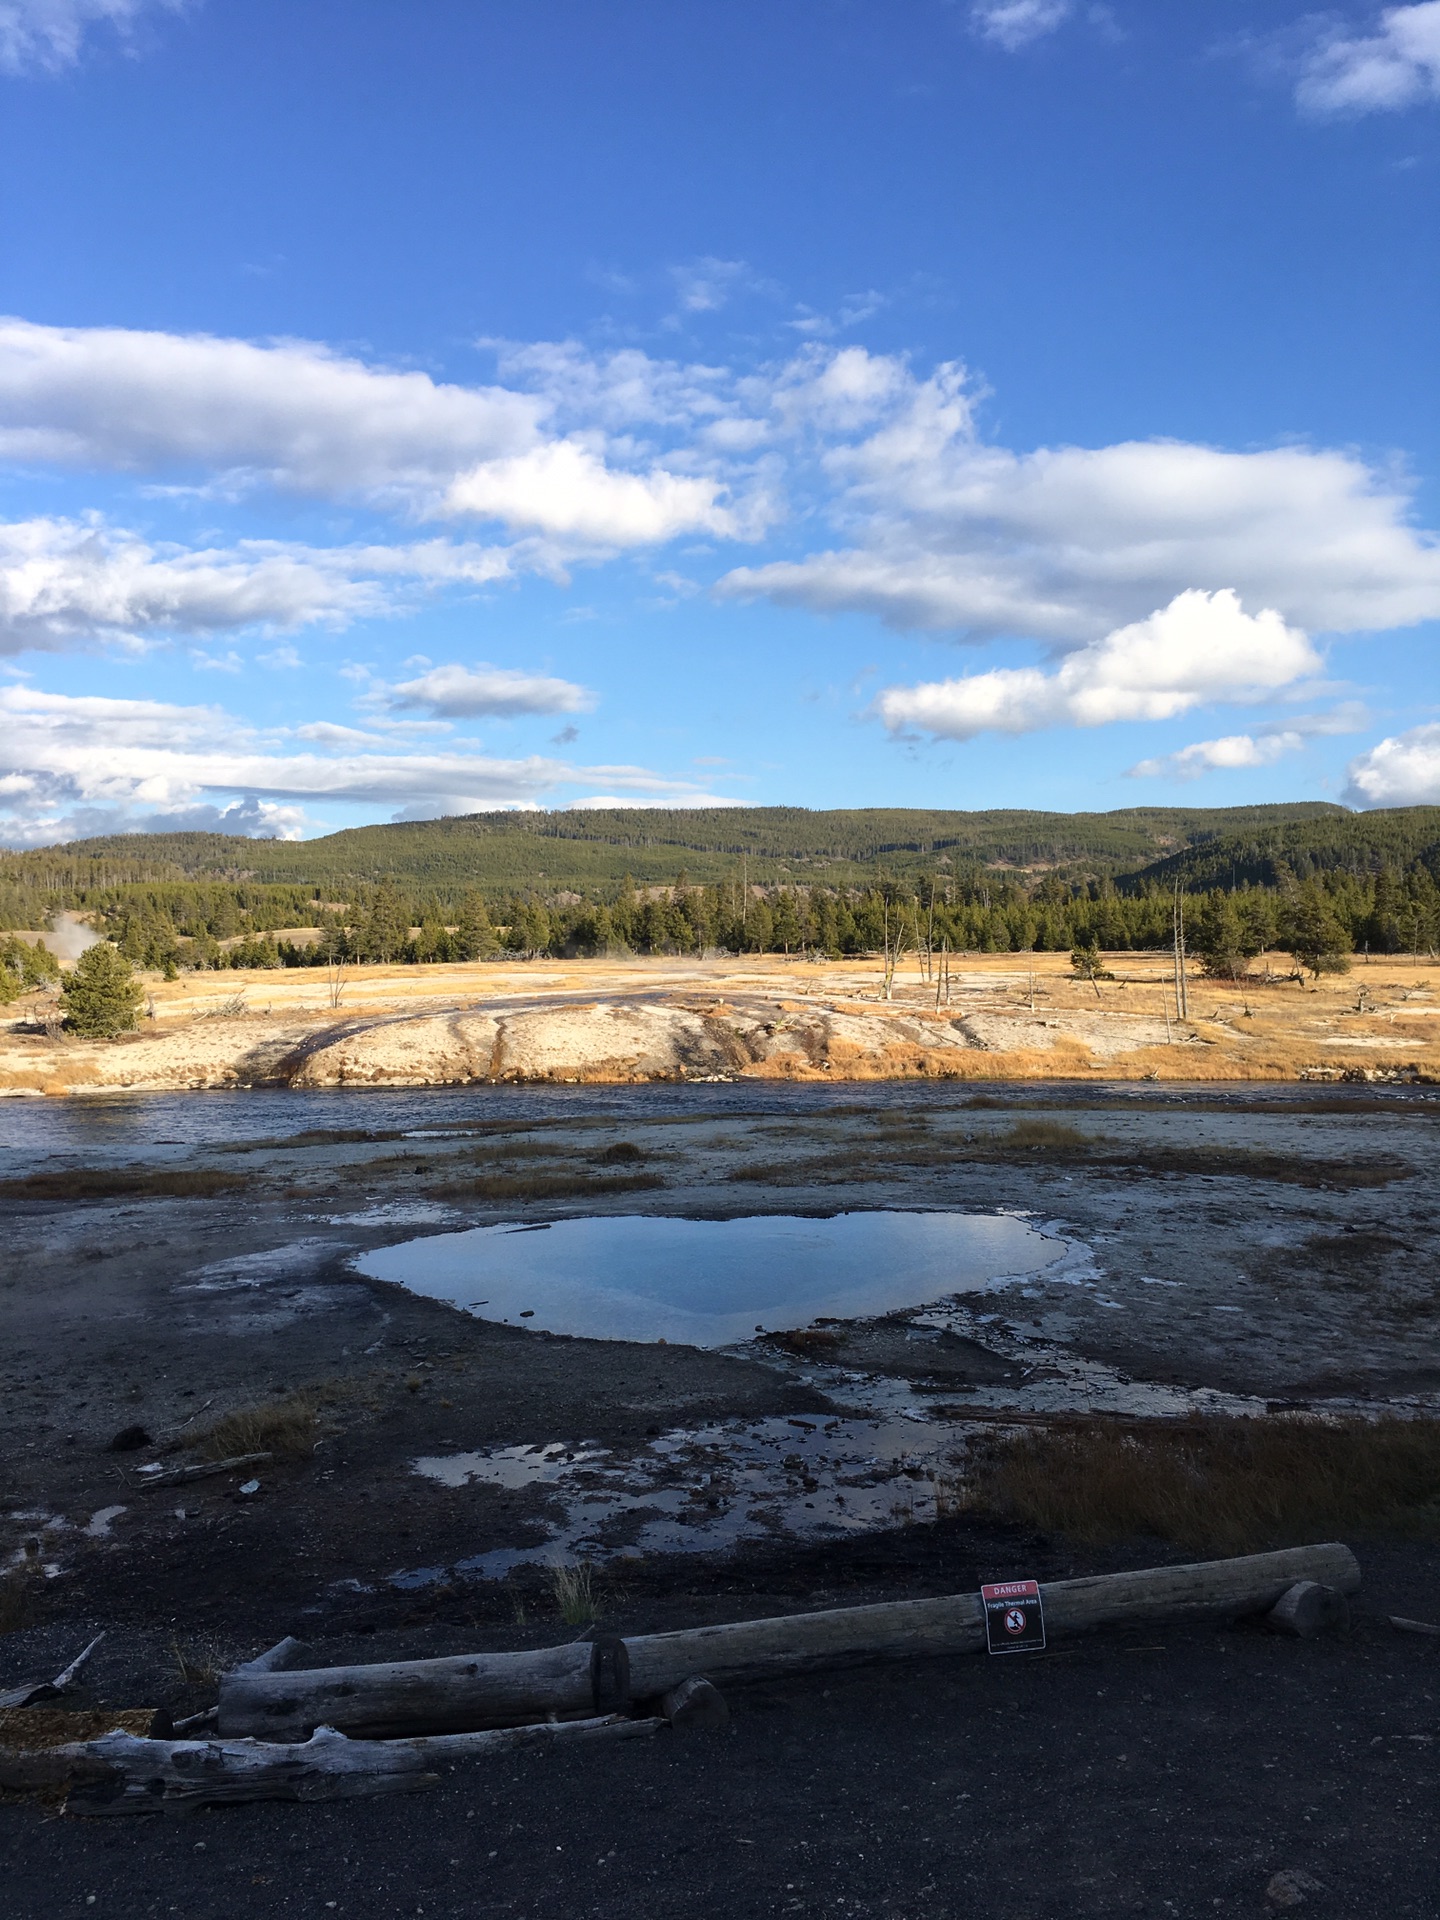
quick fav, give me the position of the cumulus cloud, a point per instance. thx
(1201, 647)
(64, 582)
(46, 36)
(566, 490)
(1013, 24)
(949, 534)
(1403, 771)
(1397, 65)
(71, 765)
(1259, 749)
(458, 692)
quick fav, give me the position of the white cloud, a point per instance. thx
(1201, 647)
(456, 692)
(566, 490)
(705, 285)
(1396, 66)
(1013, 24)
(83, 765)
(1403, 771)
(295, 415)
(949, 534)
(65, 582)
(1260, 749)
(1230, 751)
(46, 36)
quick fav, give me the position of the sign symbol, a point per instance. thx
(1014, 1620)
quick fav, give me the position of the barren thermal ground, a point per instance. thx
(400, 1314)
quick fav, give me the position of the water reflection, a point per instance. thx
(709, 1283)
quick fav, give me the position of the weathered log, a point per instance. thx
(472, 1690)
(428, 1696)
(120, 1772)
(285, 1653)
(1308, 1608)
(919, 1629)
(695, 1706)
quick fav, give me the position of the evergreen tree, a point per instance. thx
(1313, 935)
(101, 996)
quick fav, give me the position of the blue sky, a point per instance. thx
(409, 410)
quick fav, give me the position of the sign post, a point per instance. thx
(1014, 1616)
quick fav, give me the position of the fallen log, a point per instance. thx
(920, 1629)
(457, 1694)
(119, 1773)
(479, 1689)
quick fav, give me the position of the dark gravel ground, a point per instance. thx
(1167, 1771)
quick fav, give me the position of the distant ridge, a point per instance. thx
(588, 850)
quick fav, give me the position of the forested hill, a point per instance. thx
(671, 882)
(592, 852)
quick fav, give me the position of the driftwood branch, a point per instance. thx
(31, 1692)
(489, 1689)
(201, 1470)
(120, 1773)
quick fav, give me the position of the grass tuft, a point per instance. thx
(620, 1151)
(1218, 1486)
(1053, 1134)
(288, 1427)
(574, 1592)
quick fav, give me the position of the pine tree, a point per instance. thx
(101, 996)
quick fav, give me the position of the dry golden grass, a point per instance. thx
(815, 1343)
(1052, 1134)
(546, 1186)
(288, 1427)
(574, 1592)
(123, 1183)
(1218, 1485)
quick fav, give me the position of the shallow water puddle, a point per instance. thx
(703, 1489)
(710, 1283)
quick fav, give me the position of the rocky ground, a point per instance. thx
(1212, 1249)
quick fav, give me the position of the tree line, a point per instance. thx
(183, 925)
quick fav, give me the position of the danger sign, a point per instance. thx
(1014, 1616)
